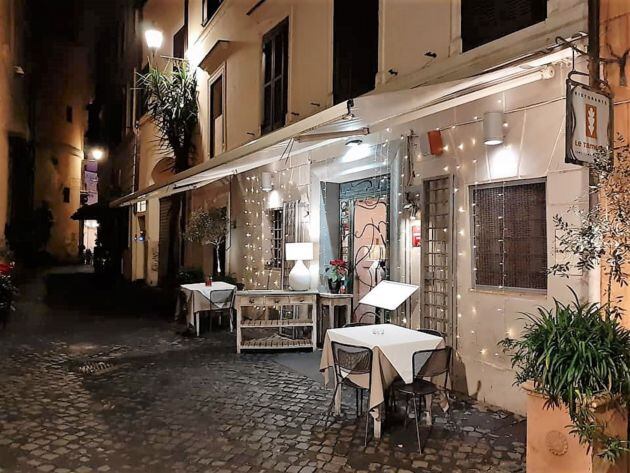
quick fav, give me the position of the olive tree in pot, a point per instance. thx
(171, 102)
(574, 359)
(209, 227)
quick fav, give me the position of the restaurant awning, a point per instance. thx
(366, 114)
(96, 211)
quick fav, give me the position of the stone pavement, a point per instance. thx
(89, 393)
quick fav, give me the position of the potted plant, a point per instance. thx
(575, 357)
(574, 362)
(336, 274)
(171, 100)
(208, 227)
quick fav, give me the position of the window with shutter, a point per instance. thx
(510, 235)
(208, 9)
(484, 21)
(275, 51)
(217, 123)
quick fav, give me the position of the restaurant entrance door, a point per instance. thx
(364, 237)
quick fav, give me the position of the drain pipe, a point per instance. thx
(593, 41)
(594, 275)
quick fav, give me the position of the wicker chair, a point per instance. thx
(427, 364)
(349, 361)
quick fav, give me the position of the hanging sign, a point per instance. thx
(589, 122)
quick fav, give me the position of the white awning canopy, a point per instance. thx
(366, 114)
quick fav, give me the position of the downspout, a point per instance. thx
(593, 41)
(594, 276)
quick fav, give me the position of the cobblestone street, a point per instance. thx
(112, 392)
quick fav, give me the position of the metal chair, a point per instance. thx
(426, 364)
(221, 301)
(430, 331)
(350, 360)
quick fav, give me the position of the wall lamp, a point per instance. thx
(266, 182)
(493, 128)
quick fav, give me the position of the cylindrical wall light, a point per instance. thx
(493, 128)
(266, 182)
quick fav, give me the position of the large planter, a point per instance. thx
(552, 448)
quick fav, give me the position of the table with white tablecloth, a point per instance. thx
(392, 347)
(198, 300)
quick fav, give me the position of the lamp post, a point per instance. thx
(97, 153)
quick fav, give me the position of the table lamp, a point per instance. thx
(300, 276)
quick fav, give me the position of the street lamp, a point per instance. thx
(97, 153)
(154, 39)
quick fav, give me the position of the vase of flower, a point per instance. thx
(336, 274)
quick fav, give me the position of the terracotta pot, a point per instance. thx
(552, 448)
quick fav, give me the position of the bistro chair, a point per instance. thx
(430, 331)
(350, 362)
(221, 303)
(427, 364)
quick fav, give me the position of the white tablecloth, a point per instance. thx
(392, 352)
(398, 344)
(198, 298)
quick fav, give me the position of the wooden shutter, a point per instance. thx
(164, 238)
(275, 61)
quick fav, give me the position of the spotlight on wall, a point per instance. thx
(154, 38)
(266, 182)
(493, 128)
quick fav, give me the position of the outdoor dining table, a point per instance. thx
(392, 347)
(198, 299)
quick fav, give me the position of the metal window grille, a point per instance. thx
(276, 238)
(510, 236)
(437, 256)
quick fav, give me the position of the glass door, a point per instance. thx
(364, 238)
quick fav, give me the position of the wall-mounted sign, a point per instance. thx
(589, 122)
(416, 236)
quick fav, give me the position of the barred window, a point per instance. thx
(510, 235)
(275, 220)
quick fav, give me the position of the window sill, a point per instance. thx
(531, 294)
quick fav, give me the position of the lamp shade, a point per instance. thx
(266, 182)
(493, 128)
(299, 251)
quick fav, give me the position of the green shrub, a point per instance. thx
(190, 276)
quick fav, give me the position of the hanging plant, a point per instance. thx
(602, 234)
(208, 227)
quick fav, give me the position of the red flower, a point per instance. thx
(339, 263)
